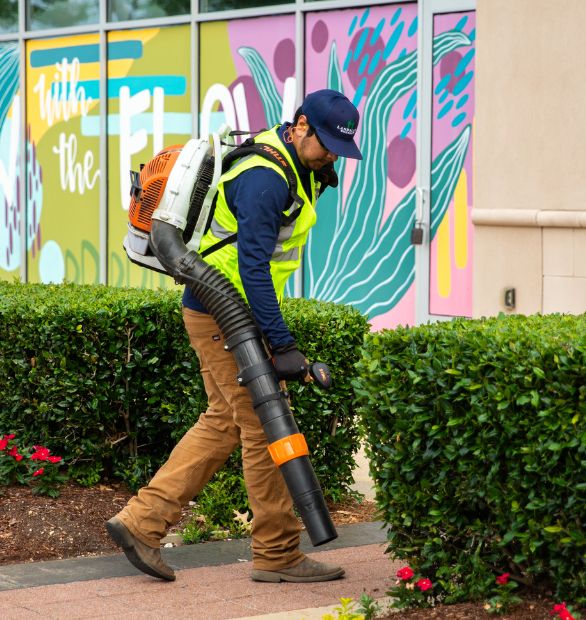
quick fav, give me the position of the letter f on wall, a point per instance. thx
(132, 143)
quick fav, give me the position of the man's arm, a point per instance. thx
(257, 198)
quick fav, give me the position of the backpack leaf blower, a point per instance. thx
(172, 200)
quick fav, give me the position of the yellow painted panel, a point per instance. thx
(443, 266)
(216, 65)
(461, 221)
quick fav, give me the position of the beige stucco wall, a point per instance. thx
(530, 156)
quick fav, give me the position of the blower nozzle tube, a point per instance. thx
(256, 372)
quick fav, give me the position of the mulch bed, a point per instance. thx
(36, 527)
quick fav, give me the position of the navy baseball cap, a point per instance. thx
(335, 120)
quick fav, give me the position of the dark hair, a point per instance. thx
(298, 113)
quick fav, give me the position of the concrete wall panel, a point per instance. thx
(507, 258)
(530, 149)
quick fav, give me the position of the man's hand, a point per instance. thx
(289, 362)
(327, 177)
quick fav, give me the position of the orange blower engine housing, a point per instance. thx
(153, 177)
(177, 186)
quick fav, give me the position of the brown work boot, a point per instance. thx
(145, 558)
(306, 571)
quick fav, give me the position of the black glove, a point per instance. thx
(289, 362)
(327, 177)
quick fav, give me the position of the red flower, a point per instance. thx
(39, 472)
(10, 436)
(13, 451)
(405, 573)
(562, 611)
(40, 454)
(54, 459)
(3, 443)
(18, 457)
(503, 579)
(424, 584)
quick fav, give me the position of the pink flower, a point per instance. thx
(39, 472)
(54, 459)
(424, 584)
(405, 573)
(503, 579)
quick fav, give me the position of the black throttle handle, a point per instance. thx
(320, 373)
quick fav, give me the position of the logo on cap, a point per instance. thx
(350, 128)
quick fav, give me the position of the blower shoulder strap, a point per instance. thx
(250, 147)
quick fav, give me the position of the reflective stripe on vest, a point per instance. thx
(286, 257)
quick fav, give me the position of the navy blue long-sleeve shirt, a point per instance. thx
(257, 199)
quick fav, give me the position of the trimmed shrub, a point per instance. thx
(106, 378)
(102, 375)
(476, 433)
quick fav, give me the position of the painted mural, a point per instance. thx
(148, 109)
(10, 202)
(247, 81)
(63, 167)
(450, 271)
(360, 251)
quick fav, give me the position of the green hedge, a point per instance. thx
(106, 378)
(476, 432)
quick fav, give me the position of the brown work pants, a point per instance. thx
(228, 421)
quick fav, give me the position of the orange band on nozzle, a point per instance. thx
(288, 448)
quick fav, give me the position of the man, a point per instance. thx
(253, 200)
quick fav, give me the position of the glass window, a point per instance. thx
(121, 10)
(8, 15)
(43, 14)
(206, 6)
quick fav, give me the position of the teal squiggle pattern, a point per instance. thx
(443, 179)
(8, 77)
(364, 209)
(393, 253)
(271, 100)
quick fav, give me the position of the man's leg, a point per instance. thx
(139, 527)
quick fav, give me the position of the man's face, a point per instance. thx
(311, 152)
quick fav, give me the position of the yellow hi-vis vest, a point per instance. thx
(286, 257)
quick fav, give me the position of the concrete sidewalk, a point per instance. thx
(213, 582)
